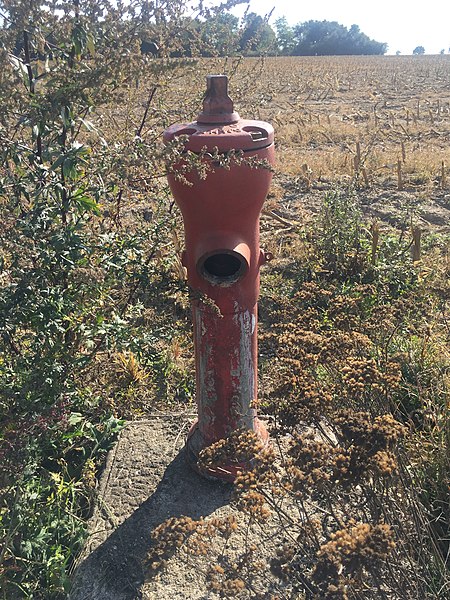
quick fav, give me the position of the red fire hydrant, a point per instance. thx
(223, 258)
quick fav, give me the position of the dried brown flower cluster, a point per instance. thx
(251, 485)
(339, 345)
(350, 552)
(314, 295)
(367, 444)
(361, 429)
(241, 447)
(346, 310)
(194, 537)
(365, 449)
(360, 376)
(245, 449)
(233, 574)
(310, 464)
(299, 397)
(320, 350)
(225, 581)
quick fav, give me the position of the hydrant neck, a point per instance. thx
(217, 105)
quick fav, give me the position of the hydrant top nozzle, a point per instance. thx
(217, 105)
(219, 127)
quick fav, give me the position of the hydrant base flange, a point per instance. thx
(225, 471)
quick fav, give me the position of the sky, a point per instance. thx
(401, 24)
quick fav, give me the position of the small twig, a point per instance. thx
(118, 207)
(183, 427)
(273, 215)
(147, 107)
(85, 112)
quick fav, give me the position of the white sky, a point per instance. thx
(401, 24)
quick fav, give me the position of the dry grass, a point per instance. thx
(380, 123)
(393, 107)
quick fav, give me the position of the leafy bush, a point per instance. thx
(74, 275)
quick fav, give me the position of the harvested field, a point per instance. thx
(381, 124)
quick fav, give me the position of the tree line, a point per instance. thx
(225, 34)
(217, 32)
(322, 38)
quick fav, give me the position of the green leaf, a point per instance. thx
(66, 116)
(79, 39)
(70, 168)
(87, 203)
(75, 418)
(58, 162)
(20, 66)
(90, 44)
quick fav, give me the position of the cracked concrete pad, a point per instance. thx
(146, 480)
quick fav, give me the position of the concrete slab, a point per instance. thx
(146, 480)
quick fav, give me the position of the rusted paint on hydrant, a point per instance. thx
(223, 258)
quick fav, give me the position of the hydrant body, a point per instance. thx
(223, 258)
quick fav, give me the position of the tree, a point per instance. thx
(257, 37)
(285, 36)
(219, 35)
(418, 50)
(329, 37)
(175, 32)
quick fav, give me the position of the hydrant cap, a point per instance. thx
(218, 126)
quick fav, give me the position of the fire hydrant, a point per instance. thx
(223, 258)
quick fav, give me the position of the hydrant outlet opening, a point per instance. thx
(223, 267)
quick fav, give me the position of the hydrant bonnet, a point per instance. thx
(218, 126)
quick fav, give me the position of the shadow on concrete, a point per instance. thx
(114, 570)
